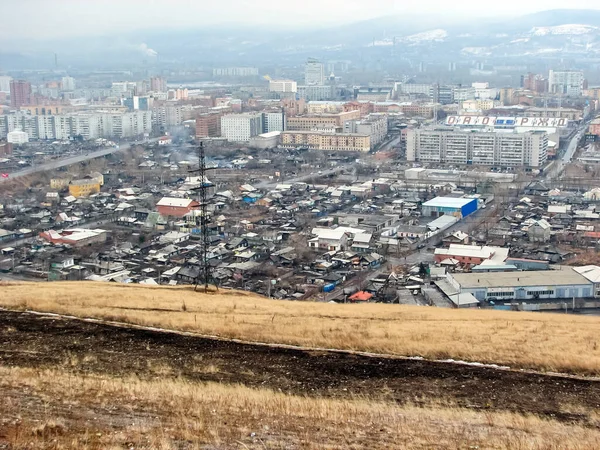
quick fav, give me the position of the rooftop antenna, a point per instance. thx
(202, 221)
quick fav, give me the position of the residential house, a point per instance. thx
(361, 243)
(539, 231)
(458, 237)
(329, 239)
(176, 207)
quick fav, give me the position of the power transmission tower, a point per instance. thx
(202, 221)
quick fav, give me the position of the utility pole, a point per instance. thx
(202, 221)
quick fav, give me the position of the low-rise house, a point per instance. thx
(539, 231)
(458, 237)
(361, 243)
(176, 207)
(329, 239)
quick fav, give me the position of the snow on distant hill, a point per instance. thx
(433, 35)
(571, 29)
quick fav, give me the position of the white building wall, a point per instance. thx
(480, 148)
(241, 127)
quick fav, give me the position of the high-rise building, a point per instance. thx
(20, 93)
(158, 84)
(444, 145)
(136, 102)
(273, 121)
(283, 86)
(5, 83)
(208, 125)
(314, 73)
(68, 83)
(241, 127)
(88, 125)
(567, 82)
(167, 116)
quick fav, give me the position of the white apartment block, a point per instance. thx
(414, 89)
(567, 82)
(314, 73)
(88, 125)
(283, 86)
(488, 148)
(68, 83)
(241, 127)
(273, 121)
(5, 83)
(235, 72)
(464, 93)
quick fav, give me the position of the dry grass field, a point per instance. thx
(54, 409)
(549, 342)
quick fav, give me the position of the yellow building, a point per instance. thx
(84, 187)
(321, 121)
(350, 142)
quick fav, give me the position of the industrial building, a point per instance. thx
(457, 207)
(565, 283)
(455, 146)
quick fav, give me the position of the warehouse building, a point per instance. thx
(457, 207)
(564, 283)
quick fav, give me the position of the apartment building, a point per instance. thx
(241, 127)
(87, 125)
(283, 86)
(314, 73)
(567, 82)
(20, 93)
(316, 92)
(235, 72)
(326, 141)
(375, 125)
(208, 125)
(325, 107)
(165, 116)
(505, 149)
(273, 121)
(321, 121)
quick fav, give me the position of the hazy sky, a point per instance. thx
(61, 18)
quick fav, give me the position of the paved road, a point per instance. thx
(559, 165)
(55, 164)
(270, 184)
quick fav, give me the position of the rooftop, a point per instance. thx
(177, 202)
(448, 202)
(560, 277)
